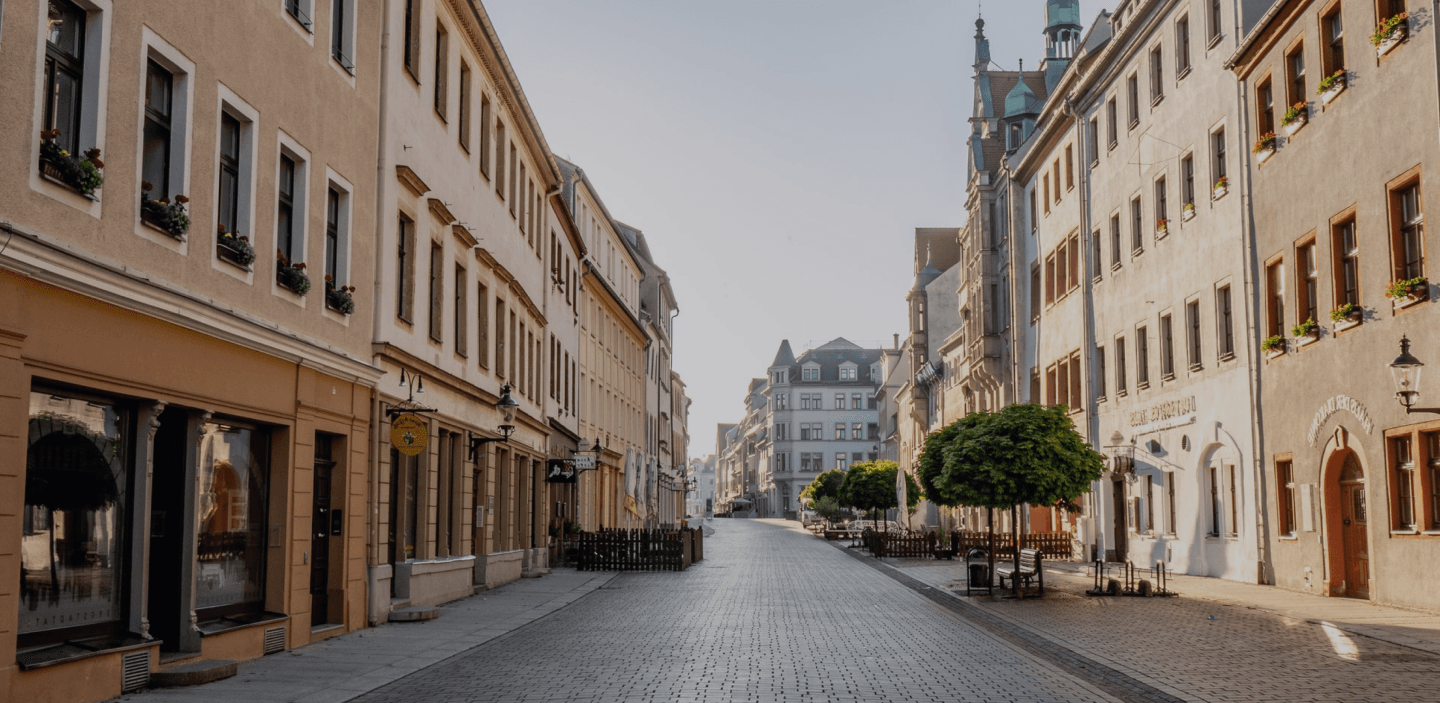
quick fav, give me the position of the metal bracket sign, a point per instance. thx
(409, 435)
(583, 462)
(560, 471)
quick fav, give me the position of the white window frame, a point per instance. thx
(94, 99)
(182, 98)
(347, 39)
(307, 8)
(227, 101)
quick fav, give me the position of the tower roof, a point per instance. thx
(1062, 13)
(784, 357)
(1021, 100)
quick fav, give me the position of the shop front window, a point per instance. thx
(72, 545)
(230, 520)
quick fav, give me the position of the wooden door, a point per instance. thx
(320, 530)
(1353, 534)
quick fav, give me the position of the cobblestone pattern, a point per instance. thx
(771, 615)
(1208, 651)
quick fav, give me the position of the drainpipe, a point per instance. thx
(381, 197)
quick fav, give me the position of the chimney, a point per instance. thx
(897, 340)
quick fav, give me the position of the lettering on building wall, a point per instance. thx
(1161, 416)
(1334, 405)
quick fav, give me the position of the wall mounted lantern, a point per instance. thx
(506, 405)
(1405, 369)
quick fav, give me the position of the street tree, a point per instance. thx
(870, 486)
(1023, 454)
(826, 485)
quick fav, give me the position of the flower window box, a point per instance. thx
(80, 174)
(291, 276)
(1403, 294)
(1188, 213)
(233, 248)
(1332, 86)
(1273, 346)
(1347, 316)
(1390, 34)
(1295, 119)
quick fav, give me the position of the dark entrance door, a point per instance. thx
(1353, 530)
(320, 533)
(1122, 542)
(167, 529)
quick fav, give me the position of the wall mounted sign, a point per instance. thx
(1334, 405)
(584, 462)
(560, 471)
(409, 435)
(1163, 416)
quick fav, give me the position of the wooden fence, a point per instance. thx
(1053, 545)
(910, 545)
(638, 550)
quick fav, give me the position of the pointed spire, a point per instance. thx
(784, 357)
(982, 46)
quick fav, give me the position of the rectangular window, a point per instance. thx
(484, 149)
(1162, 205)
(1309, 293)
(1069, 167)
(1192, 323)
(1233, 527)
(1404, 496)
(1120, 383)
(1034, 218)
(1157, 76)
(1167, 348)
(1099, 373)
(1094, 140)
(1045, 177)
(1050, 279)
(342, 33)
(1113, 114)
(857, 430)
(300, 10)
(1062, 385)
(1346, 257)
(514, 180)
(1265, 107)
(462, 313)
(482, 326)
(1275, 295)
(1115, 246)
(1187, 180)
(1182, 46)
(1051, 393)
(500, 159)
(1062, 278)
(1170, 503)
(1077, 399)
(464, 107)
(1213, 478)
(155, 158)
(1407, 238)
(1295, 75)
(1332, 29)
(334, 242)
(437, 291)
(1132, 85)
(412, 38)
(839, 401)
(1149, 498)
(405, 269)
(1214, 21)
(1137, 227)
(1142, 358)
(1224, 318)
(1074, 254)
(64, 72)
(1095, 261)
(840, 460)
(230, 185)
(1432, 442)
(1035, 292)
(856, 400)
(442, 71)
(1055, 173)
(1217, 155)
(73, 546)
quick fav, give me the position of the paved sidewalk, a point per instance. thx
(351, 665)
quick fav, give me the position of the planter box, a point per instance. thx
(52, 174)
(1308, 339)
(1297, 125)
(1277, 351)
(1417, 295)
(1187, 215)
(1264, 155)
(1334, 92)
(1347, 323)
(1219, 192)
(229, 256)
(1395, 40)
(1160, 232)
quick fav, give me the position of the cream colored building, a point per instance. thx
(206, 414)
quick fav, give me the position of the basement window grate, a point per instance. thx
(274, 639)
(134, 671)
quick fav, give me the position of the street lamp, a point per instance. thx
(505, 405)
(1405, 369)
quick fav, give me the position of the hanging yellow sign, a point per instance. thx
(408, 435)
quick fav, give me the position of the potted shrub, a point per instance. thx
(1295, 118)
(1264, 146)
(164, 215)
(1188, 212)
(942, 544)
(1403, 294)
(1331, 86)
(1161, 227)
(340, 299)
(1306, 332)
(291, 275)
(1390, 33)
(1346, 316)
(234, 248)
(1273, 346)
(82, 175)
(1222, 187)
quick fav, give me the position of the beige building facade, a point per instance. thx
(187, 413)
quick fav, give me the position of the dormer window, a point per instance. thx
(848, 371)
(811, 372)
(1015, 132)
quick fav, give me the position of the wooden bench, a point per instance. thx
(1029, 570)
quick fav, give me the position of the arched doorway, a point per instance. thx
(1348, 526)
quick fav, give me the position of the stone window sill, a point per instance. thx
(75, 650)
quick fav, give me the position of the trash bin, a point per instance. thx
(979, 575)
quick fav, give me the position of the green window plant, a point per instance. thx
(1272, 343)
(1344, 312)
(341, 299)
(1389, 28)
(1401, 289)
(234, 248)
(1222, 183)
(1265, 143)
(1294, 113)
(1330, 81)
(1306, 328)
(165, 214)
(82, 174)
(291, 275)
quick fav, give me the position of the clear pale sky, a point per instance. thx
(777, 155)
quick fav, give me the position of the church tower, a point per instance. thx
(1062, 29)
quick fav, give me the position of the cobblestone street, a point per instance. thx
(774, 614)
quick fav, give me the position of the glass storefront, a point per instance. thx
(233, 484)
(72, 548)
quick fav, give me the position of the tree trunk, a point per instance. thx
(1015, 540)
(990, 525)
